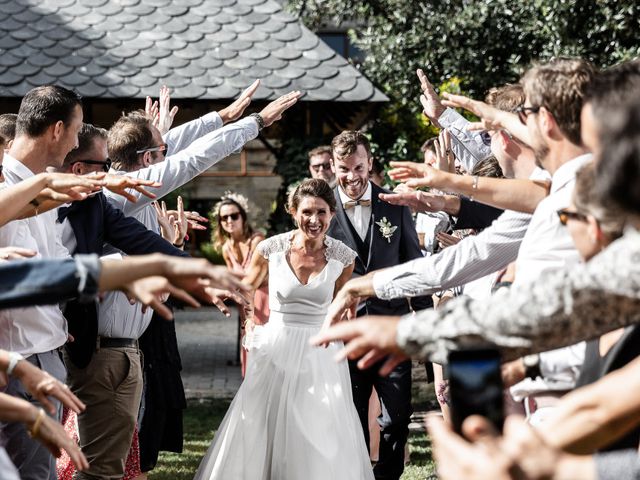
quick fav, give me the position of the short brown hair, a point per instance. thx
(312, 187)
(560, 86)
(85, 141)
(507, 98)
(8, 126)
(321, 150)
(129, 134)
(488, 167)
(587, 200)
(613, 87)
(345, 144)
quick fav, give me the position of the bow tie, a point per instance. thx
(353, 203)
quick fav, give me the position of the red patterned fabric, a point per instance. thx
(64, 466)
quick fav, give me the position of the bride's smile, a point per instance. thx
(313, 216)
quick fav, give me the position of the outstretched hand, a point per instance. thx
(369, 338)
(417, 201)
(53, 436)
(40, 385)
(166, 114)
(273, 112)
(120, 183)
(431, 104)
(237, 108)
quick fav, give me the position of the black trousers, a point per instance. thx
(395, 398)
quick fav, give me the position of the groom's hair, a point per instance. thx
(345, 144)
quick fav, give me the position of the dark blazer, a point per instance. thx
(95, 222)
(378, 252)
(475, 215)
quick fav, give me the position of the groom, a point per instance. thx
(383, 235)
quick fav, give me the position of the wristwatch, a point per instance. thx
(259, 120)
(14, 358)
(532, 366)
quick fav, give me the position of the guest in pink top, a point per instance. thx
(236, 238)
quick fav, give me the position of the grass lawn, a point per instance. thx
(203, 417)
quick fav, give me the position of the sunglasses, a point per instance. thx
(232, 216)
(524, 112)
(566, 215)
(106, 165)
(323, 166)
(486, 138)
(157, 148)
(1, 166)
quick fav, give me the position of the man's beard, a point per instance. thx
(541, 153)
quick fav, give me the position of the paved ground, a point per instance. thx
(207, 342)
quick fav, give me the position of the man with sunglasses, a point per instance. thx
(320, 165)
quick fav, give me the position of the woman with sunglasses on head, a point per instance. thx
(235, 237)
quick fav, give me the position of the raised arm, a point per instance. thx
(560, 309)
(589, 418)
(43, 192)
(506, 193)
(466, 145)
(203, 153)
(184, 135)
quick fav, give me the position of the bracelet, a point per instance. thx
(474, 187)
(14, 358)
(35, 428)
(259, 120)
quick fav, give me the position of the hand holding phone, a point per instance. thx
(475, 386)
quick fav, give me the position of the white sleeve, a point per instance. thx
(188, 163)
(467, 146)
(184, 135)
(474, 257)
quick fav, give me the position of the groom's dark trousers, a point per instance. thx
(374, 253)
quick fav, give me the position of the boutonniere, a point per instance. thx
(386, 229)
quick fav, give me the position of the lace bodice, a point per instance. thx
(304, 304)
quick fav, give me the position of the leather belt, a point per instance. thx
(108, 342)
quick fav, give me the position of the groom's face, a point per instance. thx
(352, 172)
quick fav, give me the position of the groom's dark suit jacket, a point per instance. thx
(96, 222)
(377, 252)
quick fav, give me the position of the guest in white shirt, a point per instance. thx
(47, 129)
(137, 149)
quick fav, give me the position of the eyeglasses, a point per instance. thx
(157, 148)
(232, 216)
(323, 166)
(106, 165)
(566, 215)
(524, 112)
(486, 138)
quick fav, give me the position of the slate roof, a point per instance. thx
(201, 49)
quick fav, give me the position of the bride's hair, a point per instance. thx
(312, 187)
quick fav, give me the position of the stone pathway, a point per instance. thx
(207, 342)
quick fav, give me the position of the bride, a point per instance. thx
(293, 416)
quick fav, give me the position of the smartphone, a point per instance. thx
(475, 386)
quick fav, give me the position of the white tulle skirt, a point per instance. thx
(293, 417)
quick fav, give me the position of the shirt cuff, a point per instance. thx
(89, 269)
(448, 118)
(382, 282)
(212, 121)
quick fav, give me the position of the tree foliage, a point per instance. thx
(484, 43)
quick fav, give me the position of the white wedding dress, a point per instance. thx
(293, 418)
